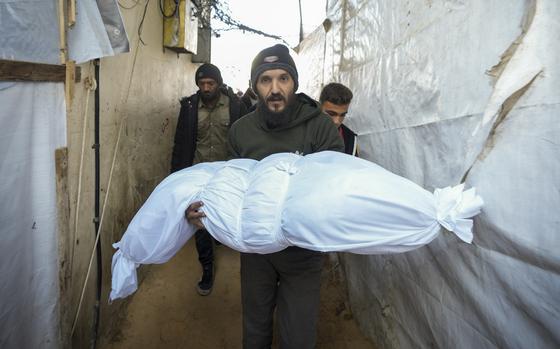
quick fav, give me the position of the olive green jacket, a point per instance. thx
(309, 131)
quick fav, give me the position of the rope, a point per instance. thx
(99, 229)
(136, 2)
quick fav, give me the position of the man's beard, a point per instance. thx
(275, 119)
(209, 97)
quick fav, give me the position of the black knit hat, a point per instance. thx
(208, 71)
(275, 57)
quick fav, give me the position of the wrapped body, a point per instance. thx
(325, 201)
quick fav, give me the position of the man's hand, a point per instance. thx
(193, 215)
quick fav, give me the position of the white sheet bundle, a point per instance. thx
(325, 201)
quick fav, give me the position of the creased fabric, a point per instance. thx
(326, 201)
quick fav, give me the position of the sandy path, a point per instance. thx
(166, 311)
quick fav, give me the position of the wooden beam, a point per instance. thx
(26, 71)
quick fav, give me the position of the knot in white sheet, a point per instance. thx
(123, 266)
(454, 207)
(324, 201)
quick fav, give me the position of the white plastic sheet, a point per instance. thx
(445, 90)
(32, 126)
(30, 31)
(326, 201)
(99, 31)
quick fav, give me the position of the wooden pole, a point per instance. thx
(300, 23)
(62, 31)
(71, 13)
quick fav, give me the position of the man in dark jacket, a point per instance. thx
(288, 280)
(249, 98)
(335, 100)
(201, 136)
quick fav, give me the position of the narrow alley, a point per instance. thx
(418, 139)
(167, 312)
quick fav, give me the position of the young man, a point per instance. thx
(201, 136)
(335, 100)
(288, 280)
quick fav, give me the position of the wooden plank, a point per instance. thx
(69, 83)
(65, 244)
(26, 71)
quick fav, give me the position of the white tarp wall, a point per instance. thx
(446, 90)
(99, 31)
(29, 31)
(32, 126)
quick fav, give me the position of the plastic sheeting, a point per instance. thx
(32, 126)
(99, 31)
(449, 90)
(265, 206)
(30, 31)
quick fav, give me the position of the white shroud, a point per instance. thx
(325, 201)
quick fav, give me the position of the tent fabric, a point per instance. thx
(30, 31)
(326, 201)
(99, 31)
(445, 91)
(32, 126)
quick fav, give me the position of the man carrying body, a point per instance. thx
(290, 279)
(335, 100)
(201, 136)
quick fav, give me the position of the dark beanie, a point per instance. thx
(275, 57)
(208, 71)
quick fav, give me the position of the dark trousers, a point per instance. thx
(289, 280)
(204, 247)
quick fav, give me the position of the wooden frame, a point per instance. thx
(26, 71)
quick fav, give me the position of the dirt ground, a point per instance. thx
(167, 312)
